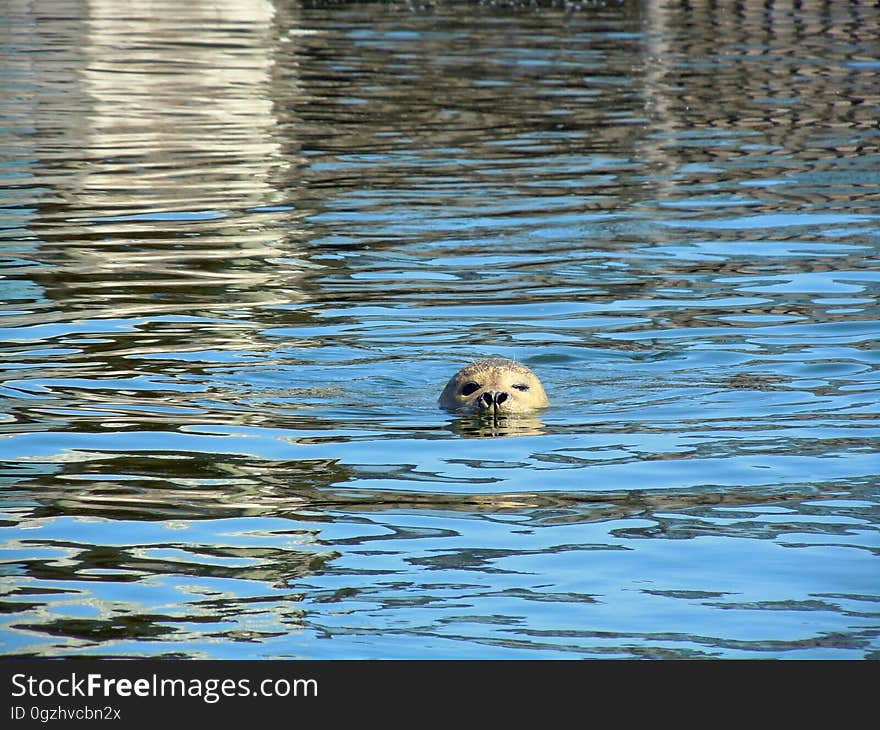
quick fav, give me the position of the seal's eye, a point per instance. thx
(521, 386)
(469, 388)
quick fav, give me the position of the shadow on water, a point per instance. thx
(243, 245)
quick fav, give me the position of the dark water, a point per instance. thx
(244, 244)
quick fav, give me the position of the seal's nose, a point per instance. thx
(494, 398)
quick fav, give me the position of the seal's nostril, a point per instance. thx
(500, 398)
(487, 398)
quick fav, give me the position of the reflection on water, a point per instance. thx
(489, 426)
(244, 244)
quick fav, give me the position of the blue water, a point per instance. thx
(244, 245)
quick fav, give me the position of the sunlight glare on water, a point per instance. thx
(243, 246)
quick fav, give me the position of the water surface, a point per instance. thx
(243, 245)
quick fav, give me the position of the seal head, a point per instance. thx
(495, 386)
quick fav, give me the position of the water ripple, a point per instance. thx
(243, 246)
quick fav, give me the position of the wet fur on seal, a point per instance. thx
(494, 385)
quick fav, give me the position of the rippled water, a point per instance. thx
(243, 245)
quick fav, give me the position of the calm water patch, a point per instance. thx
(244, 245)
